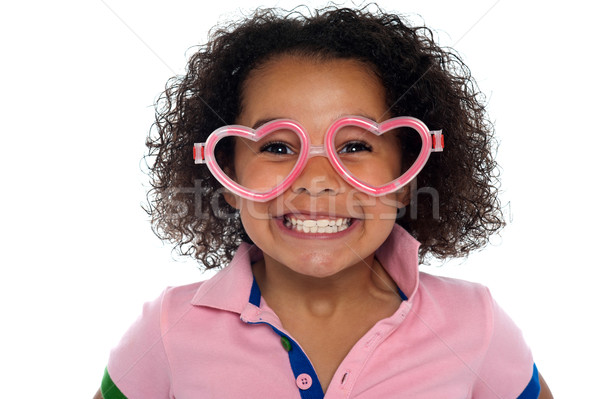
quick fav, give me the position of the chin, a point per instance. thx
(318, 266)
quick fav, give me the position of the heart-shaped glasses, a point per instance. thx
(375, 158)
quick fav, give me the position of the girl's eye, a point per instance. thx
(277, 148)
(354, 147)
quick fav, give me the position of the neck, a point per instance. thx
(322, 296)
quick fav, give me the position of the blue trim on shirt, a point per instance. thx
(298, 359)
(301, 364)
(532, 390)
(255, 294)
(402, 295)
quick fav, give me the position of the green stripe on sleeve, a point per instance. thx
(109, 389)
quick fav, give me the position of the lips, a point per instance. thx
(318, 225)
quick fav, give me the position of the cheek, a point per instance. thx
(384, 170)
(384, 166)
(257, 174)
(257, 178)
(364, 206)
(255, 217)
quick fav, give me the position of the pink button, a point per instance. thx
(304, 381)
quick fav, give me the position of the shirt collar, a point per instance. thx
(399, 255)
(230, 288)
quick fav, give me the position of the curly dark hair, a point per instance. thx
(421, 79)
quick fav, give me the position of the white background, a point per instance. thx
(78, 257)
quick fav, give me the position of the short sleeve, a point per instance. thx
(138, 365)
(507, 369)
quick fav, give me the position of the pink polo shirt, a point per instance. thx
(219, 339)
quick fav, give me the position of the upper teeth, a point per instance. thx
(317, 225)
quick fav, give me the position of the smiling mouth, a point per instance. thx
(316, 225)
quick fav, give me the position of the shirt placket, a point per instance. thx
(307, 381)
(306, 377)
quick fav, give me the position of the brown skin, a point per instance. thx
(316, 94)
(321, 321)
(327, 292)
(545, 391)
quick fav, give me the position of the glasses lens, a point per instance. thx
(377, 159)
(261, 165)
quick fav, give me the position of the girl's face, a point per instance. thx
(316, 93)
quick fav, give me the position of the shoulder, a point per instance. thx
(179, 296)
(468, 307)
(466, 303)
(450, 286)
(157, 315)
(171, 305)
(460, 296)
(503, 361)
(139, 364)
(171, 301)
(454, 329)
(461, 309)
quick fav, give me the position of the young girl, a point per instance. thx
(328, 155)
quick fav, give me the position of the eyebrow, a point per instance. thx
(261, 122)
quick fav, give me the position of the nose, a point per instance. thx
(318, 178)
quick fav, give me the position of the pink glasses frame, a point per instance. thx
(204, 152)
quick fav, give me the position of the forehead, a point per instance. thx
(313, 92)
